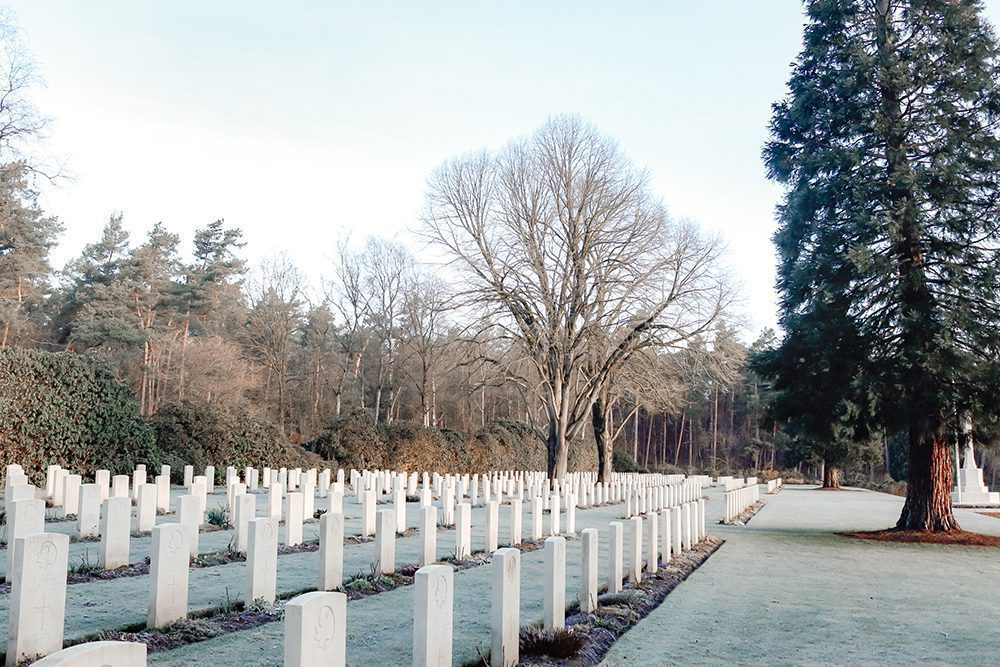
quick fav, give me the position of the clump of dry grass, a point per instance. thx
(560, 644)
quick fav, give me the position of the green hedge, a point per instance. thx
(200, 434)
(68, 409)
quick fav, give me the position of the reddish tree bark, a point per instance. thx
(928, 490)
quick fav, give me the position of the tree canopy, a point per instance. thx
(887, 145)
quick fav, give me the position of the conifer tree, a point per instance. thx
(26, 237)
(887, 145)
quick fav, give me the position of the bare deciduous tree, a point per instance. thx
(561, 244)
(274, 317)
(21, 123)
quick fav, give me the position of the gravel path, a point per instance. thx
(785, 590)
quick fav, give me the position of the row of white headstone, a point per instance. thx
(315, 625)
(774, 485)
(39, 560)
(738, 500)
(173, 543)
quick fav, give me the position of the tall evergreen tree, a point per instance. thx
(887, 144)
(95, 312)
(26, 237)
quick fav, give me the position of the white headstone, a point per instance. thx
(385, 542)
(652, 543)
(335, 501)
(88, 511)
(262, 559)
(492, 526)
(428, 535)
(275, 500)
(168, 575)
(146, 510)
(24, 517)
(515, 522)
(588, 571)
(189, 516)
(246, 509)
(367, 513)
(119, 486)
(432, 616)
(463, 532)
(555, 583)
(665, 538)
(37, 605)
(293, 519)
(554, 515)
(331, 551)
(399, 509)
(316, 629)
(635, 549)
(97, 654)
(536, 518)
(505, 613)
(116, 532)
(163, 492)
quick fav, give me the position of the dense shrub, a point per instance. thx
(883, 483)
(356, 440)
(68, 409)
(200, 434)
(623, 462)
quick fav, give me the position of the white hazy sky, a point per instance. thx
(297, 121)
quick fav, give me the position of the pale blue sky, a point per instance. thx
(297, 120)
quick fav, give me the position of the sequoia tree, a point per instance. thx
(887, 145)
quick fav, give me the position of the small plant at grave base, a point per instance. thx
(262, 606)
(85, 566)
(193, 630)
(604, 623)
(561, 643)
(379, 579)
(232, 603)
(218, 517)
(358, 582)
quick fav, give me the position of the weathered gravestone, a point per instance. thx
(432, 616)
(316, 630)
(37, 606)
(168, 575)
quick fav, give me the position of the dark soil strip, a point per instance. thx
(749, 513)
(588, 637)
(960, 538)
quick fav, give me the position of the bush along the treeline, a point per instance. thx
(356, 440)
(200, 434)
(623, 462)
(68, 409)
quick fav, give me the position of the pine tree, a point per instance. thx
(26, 237)
(888, 148)
(95, 312)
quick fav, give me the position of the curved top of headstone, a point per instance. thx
(110, 654)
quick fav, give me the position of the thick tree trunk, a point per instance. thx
(928, 487)
(831, 476)
(599, 421)
(557, 449)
